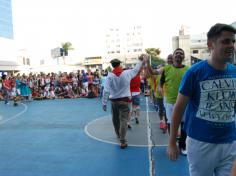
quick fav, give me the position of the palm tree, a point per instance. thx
(66, 47)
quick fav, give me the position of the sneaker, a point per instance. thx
(123, 145)
(165, 126)
(136, 120)
(183, 152)
(129, 126)
(15, 103)
(162, 125)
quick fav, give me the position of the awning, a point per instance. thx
(9, 66)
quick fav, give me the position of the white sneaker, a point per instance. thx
(183, 152)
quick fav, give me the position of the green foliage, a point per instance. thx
(155, 56)
(109, 69)
(153, 51)
(156, 61)
(67, 46)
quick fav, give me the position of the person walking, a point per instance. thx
(117, 88)
(6, 87)
(171, 76)
(208, 91)
(135, 99)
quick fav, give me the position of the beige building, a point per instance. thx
(194, 46)
(93, 63)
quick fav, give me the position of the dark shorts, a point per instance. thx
(136, 100)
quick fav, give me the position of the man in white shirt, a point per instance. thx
(118, 87)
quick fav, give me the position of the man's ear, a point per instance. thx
(209, 44)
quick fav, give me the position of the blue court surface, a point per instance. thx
(75, 137)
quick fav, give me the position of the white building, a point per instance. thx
(125, 44)
(8, 49)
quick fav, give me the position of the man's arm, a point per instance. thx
(133, 72)
(149, 68)
(162, 82)
(162, 79)
(179, 108)
(233, 171)
(105, 94)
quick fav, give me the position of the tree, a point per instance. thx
(155, 56)
(153, 51)
(109, 69)
(66, 47)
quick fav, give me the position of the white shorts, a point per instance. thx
(169, 111)
(164, 101)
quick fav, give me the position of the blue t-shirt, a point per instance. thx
(210, 115)
(84, 78)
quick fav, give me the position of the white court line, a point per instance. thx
(98, 139)
(150, 144)
(15, 116)
(105, 141)
(111, 142)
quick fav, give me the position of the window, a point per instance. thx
(27, 61)
(23, 59)
(195, 51)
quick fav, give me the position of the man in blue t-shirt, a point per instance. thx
(208, 90)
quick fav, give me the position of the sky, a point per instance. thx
(41, 25)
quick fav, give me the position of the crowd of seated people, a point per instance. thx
(55, 85)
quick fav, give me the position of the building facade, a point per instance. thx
(6, 25)
(125, 44)
(8, 50)
(194, 46)
(93, 63)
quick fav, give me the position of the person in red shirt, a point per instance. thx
(135, 100)
(6, 87)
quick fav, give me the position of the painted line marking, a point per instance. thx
(107, 141)
(15, 116)
(150, 143)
